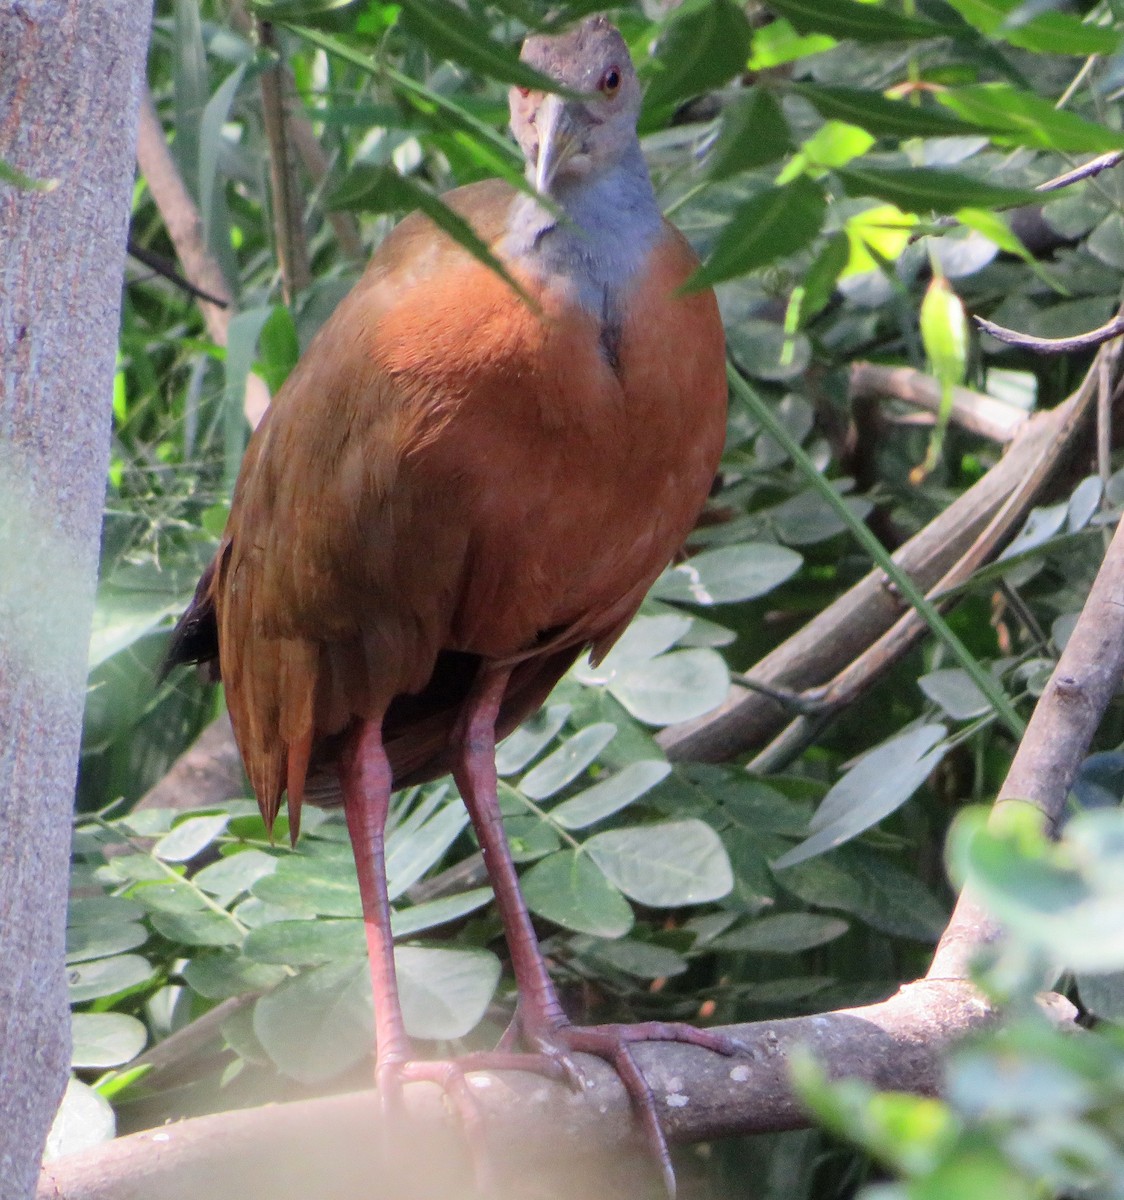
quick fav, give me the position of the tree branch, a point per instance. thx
(974, 525)
(1057, 739)
(185, 228)
(974, 411)
(326, 1147)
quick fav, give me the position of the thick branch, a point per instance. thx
(326, 1147)
(1057, 739)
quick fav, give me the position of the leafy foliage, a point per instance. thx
(821, 155)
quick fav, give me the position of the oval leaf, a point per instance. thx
(728, 574)
(878, 784)
(611, 795)
(568, 761)
(444, 992)
(674, 687)
(666, 865)
(100, 1040)
(84, 1119)
(568, 889)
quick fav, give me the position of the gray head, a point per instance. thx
(567, 140)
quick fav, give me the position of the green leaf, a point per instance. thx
(531, 738)
(783, 933)
(405, 922)
(410, 855)
(849, 19)
(102, 939)
(611, 795)
(568, 889)
(96, 910)
(870, 886)
(1019, 118)
(123, 616)
(702, 47)
(323, 885)
(84, 1119)
(168, 897)
(236, 873)
(920, 189)
(190, 837)
(675, 687)
(317, 1025)
(223, 975)
(215, 115)
(728, 574)
(643, 960)
(567, 762)
(667, 865)
(955, 692)
(821, 277)
(100, 1040)
(1103, 995)
(306, 943)
(1062, 33)
(203, 928)
(107, 977)
(452, 33)
(753, 132)
(445, 993)
(880, 115)
(877, 785)
(1045, 33)
(776, 222)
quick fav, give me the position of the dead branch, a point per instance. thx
(185, 228)
(973, 411)
(1063, 345)
(970, 530)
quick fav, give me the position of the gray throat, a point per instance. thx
(611, 223)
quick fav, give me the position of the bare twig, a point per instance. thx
(312, 155)
(165, 269)
(1064, 345)
(1094, 167)
(974, 411)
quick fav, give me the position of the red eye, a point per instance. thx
(523, 91)
(610, 81)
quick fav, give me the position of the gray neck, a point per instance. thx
(613, 222)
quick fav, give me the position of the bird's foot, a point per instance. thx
(451, 1076)
(556, 1043)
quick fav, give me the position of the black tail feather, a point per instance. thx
(195, 639)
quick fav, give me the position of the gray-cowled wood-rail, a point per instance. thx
(457, 492)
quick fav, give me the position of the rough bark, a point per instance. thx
(69, 81)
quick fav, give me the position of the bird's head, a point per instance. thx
(569, 139)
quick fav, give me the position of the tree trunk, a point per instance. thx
(70, 76)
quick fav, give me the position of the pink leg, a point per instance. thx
(540, 1018)
(366, 779)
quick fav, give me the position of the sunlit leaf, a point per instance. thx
(666, 865)
(569, 889)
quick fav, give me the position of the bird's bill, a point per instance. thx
(558, 140)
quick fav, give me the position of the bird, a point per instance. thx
(462, 486)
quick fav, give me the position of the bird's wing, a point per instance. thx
(321, 610)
